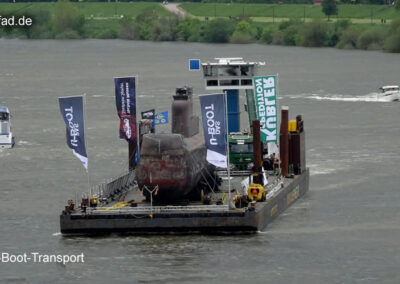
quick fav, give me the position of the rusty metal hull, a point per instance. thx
(173, 163)
(242, 220)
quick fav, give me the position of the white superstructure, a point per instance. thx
(390, 93)
(6, 137)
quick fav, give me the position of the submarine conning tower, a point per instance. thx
(183, 120)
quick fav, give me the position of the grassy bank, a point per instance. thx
(288, 11)
(89, 9)
(150, 21)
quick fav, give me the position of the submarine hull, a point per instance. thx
(174, 164)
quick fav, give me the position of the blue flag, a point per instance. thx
(214, 126)
(161, 118)
(72, 112)
(125, 98)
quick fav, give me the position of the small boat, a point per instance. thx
(6, 138)
(389, 93)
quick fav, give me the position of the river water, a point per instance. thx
(345, 230)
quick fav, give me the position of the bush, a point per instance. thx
(285, 24)
(238, 37)
(277, 38)
(67, 19)
(128, 30)
(314, 34)
(144, 25)
(348, 39)
(243, 33)
(342, 25)
(218, 31)
(68, 34)
(291, 35)
(392, 42)
(165, 29)
(370, 39)
(267, 35)
(189, 30)
(106, 34)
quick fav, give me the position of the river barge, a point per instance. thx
(120, 217)
(188, 181)
(164, 193)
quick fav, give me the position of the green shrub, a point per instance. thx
(285, 24)
(68, 34)
(67, 18)
(392, 42)
(277, 38)
(267, 35)
(342, 25)
(370, 39)
(243, 33)
(189, 30)
(106, 34)
(218, 31)
(239, 37)
(165, 29)
(348, 39)
(338, 28)
(291, 35)
(314, 34)
(128, 29)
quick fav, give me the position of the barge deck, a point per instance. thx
(120, 217)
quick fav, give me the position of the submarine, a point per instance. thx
(174, 165)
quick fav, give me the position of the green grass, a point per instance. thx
(288, 11)
(95, 28)
(97, 9)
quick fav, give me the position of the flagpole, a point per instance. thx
(227, 148)
(277, 109)
(137, 151)
(87, 169)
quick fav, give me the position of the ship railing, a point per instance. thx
(160, 209)
(223, 173)
(113, 187)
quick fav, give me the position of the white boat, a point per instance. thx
(390, 93)
(6, 138)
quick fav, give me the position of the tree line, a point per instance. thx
(68, 23)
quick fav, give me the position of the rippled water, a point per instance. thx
(345, 230)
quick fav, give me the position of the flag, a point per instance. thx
(214, 126)
(266, 105)
(148, 114)
(161, 118)
(125, 97)
(73, 114)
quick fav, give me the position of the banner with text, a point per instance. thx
(72, 112)
(148, 114)
(266, 104)
(214, 126)
(125, 97)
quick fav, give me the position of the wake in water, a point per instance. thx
(372, 97)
